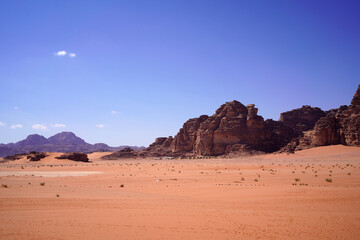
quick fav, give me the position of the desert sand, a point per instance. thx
(312, 194)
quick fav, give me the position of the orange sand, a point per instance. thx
(187, 199)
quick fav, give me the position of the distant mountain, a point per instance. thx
(61, 142)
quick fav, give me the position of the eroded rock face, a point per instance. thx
(236, 128)
(223, 128)
(161, 147)
(339, 126)
(185, 139)
(233, 128)
(356, 99)
(302, 119)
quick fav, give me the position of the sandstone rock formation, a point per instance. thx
(125, 153)
(356, 99)
(339, 126)
(302, 119)
(184, 141)
(36, 156)
(75, 156)
(235, 128)
(233, 123)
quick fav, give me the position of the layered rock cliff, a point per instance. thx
(237, 128)
(339, 126)
(233, 128)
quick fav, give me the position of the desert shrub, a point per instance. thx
(42, 184)
(328, 180)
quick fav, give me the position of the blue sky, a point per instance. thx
(140, 69)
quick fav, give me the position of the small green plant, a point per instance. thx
(297, 179)
(328, 180)
(42, 184)
(122, 185)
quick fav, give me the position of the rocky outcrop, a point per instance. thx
(161, 147)
(232, 129)
(184, 141)
(233, 123)
(339, 126)
(36, 156)
(235, 128)
(75, 156)
(302, 119)
(125, 153)
(356, 99)
(32, 156)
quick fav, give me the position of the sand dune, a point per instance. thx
(312, 194)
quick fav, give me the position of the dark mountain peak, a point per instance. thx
(61, 142)
(33, 139)
(101, 145)
(66, 138)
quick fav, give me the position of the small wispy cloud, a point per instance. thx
(100, 126)
(2, 124)
(40, 127)
(16, 107)
(15, 126)
(58, 125)
(113, 112)
(61, 53)
(72, 55)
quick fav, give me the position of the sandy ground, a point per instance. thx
(275, 196)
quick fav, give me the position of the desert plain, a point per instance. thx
(312, 194)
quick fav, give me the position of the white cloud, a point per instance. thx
(2, 124)
(61, 53)
(113, 112)
(72, 55)
(100, 125)
(39, 127)
(16, 108)
(16, 126)
(58, 125)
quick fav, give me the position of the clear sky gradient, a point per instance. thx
(126, 72)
